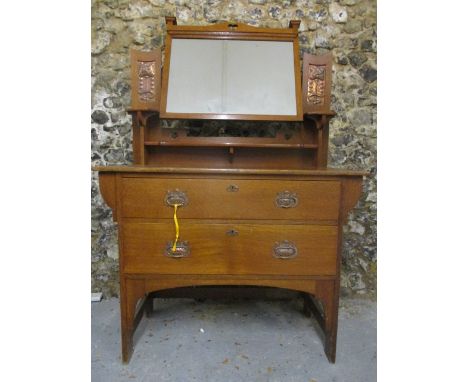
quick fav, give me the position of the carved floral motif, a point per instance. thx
(316, 85)
(146, 80)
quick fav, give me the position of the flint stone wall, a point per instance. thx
(347, 28)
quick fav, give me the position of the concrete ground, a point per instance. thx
(234, 340)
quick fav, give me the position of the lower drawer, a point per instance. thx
(244, 249)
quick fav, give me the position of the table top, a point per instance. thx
(233, 171)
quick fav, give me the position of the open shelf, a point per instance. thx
(229, 157)
(158, 136)
(232, 142)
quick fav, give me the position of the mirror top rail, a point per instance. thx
(231, 71)
(231, 30)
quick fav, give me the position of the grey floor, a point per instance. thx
(235, 340)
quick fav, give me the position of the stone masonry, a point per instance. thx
(347, 28)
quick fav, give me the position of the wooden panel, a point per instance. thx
(303, 138)
(331, 173)
(107, 188)
(230, 199)
(165, 282)
(143, 121)
(352, 190)
(229, 249)
(241, 157)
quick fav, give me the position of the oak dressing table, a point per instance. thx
(199, 210)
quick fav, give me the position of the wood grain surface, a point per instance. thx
(215, 250)
(212, 198)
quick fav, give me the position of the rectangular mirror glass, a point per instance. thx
(231, 71)
(231, 77)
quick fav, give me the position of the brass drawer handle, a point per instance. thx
(232, 232)
(232, 188)
(176, 197)
(286, 199)
(182, 249)
(284, 250)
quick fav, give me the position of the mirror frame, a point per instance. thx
(231, 31)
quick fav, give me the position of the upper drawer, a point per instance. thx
(231, 199)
